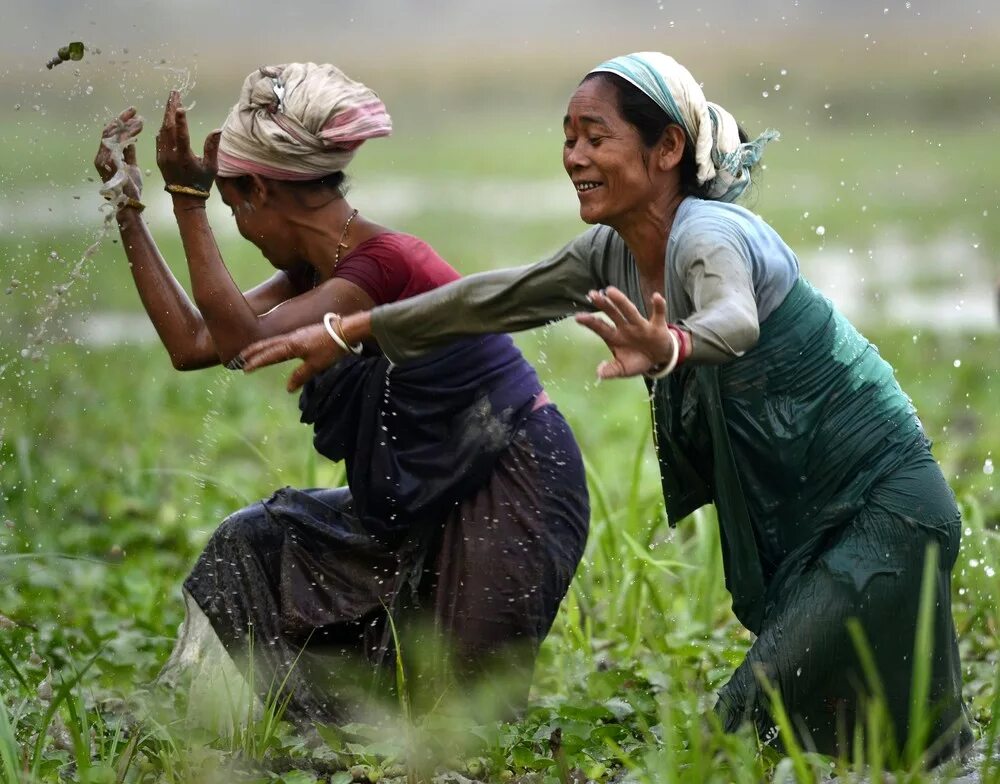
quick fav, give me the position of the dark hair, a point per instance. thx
(644, 114)
(337, 181)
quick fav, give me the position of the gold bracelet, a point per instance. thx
(128, 201)
(187, 190)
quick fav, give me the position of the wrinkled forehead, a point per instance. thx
(594, 102)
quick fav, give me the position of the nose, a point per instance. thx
(573, 157)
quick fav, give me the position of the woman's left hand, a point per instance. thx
(311, 344)
(178, 164)
(637, 344)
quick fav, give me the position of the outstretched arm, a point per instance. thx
(505, 300)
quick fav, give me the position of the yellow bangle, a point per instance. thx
(128, 201)
(187, 190)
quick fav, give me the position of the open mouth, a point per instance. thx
(583, 187)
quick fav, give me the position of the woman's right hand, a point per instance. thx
(311, 344)
(115, 159)
(177, 163)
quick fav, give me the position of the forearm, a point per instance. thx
(508, 300)
(175, 318)
(229, 318)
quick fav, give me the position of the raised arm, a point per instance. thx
(176, 319)
(232, 319)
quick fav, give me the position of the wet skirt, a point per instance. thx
(302, 587)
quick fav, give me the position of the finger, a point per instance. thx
(624, 305)
(169, 110)
(269, 351)
(183, 135)
(600, 300)
(596, 324)
(127, 115)
(211, 155)
(658, 316)
(300, 376)
(610, 368)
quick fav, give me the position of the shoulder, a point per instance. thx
(392, 243)
(698, 217)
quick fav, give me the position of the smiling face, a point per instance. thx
(615, 174)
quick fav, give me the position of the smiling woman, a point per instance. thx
(466, 511)
(767, 402)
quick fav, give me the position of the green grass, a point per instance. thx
(114, 470)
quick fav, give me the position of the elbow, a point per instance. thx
(185, 363)
(188, 360)
(746, 337)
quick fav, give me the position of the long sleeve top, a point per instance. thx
(725, 272)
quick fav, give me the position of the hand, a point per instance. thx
(115, 159)
(637, 344)
(311, 344)
(178, 165)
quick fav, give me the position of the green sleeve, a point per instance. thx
(505, 300)
(714, 271)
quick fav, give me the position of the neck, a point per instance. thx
(646, 234)
(317, 234)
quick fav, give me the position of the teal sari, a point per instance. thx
(827, 498)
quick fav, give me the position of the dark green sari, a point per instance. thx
(827, 497)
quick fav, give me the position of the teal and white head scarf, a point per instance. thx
(723, 161)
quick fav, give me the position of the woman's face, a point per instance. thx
(256, 221)
(605, 157)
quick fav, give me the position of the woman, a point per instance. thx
(766, 401)
(467, 506)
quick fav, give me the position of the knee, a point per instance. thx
(250, 528)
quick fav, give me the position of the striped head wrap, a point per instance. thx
(724, 162)
(299, 121)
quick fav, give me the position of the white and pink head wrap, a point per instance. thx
(299, 121)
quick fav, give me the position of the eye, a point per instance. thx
(568, 144)
(595, 141)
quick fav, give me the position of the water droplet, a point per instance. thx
(988, 467)
(957, 363)
(820, 231)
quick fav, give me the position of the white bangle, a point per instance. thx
(328, 323)
(667, 368)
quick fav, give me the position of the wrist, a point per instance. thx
(679, 347)
(184, 202)
(357, 327)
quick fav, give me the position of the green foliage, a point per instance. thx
(114, 470)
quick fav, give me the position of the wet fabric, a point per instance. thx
(467, 509)
(393, 266)
(827, 496)
(804, 444)
(725, 271)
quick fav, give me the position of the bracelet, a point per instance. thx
(128, 201)
(340, 339)
(187, 190)
(666, 368)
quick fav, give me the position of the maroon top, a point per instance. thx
(393, 266)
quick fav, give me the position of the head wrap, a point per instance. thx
(724, 162)
(299, 121)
